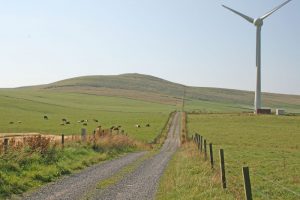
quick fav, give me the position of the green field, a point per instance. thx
(124, 100)
(29, 106)
(200, 106)
(268, 144)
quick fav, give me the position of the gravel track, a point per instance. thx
(78, 185)
(142, 183)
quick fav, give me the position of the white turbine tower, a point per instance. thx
(258, 23)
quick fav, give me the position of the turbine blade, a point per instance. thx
(274, 10)
(249, 19)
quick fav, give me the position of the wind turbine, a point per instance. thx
(258, 22)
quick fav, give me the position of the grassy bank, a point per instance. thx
(188, 177)
(268, 144)
(38, 162)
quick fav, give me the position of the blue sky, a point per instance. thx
(193, 42)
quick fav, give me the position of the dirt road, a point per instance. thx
(142, 183)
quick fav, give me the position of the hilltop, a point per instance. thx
(150, 88)
(156, 90)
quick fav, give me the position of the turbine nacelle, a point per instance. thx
(258, 22)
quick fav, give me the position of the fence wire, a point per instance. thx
(277, 184)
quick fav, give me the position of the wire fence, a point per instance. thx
(262, 187)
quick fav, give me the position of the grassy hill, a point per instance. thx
(125, 100)
(151, 88)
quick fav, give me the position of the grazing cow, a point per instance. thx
(68, 122)
(116, 129)
(85, 124)
(138, 126)
(96, 120)
(64, 120)
(11, 122)
(79, 121)
(82, 121)
(45, 117)
(147, 125)
(19, 122)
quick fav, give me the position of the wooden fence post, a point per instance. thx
(201, 141)
(222, 169)
(247, 183)
(211, 156)
(62, 140)
(83, 134)
(5, 145)
(205, 150)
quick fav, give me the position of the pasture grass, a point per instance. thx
(268, 144)
(201, 106)
(29, 106)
